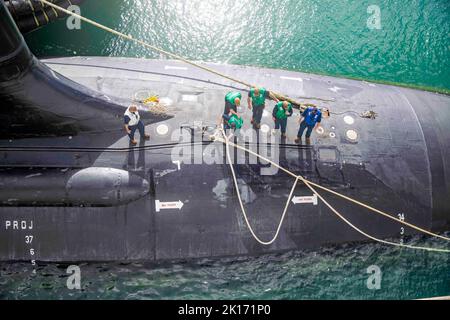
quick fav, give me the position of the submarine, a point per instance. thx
(73, 188)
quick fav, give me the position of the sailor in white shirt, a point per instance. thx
(132, 122)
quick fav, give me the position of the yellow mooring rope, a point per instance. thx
(226, 141)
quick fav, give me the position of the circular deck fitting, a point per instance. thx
(332, 135)
(265, 128)
(352, 135)
(349, 120)
(162, 129)
(320, 130)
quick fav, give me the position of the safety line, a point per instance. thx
(125, 149)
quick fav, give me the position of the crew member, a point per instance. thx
(280, 113)
(309, 121)
(257, 102)
(232, 102)
(132, 122)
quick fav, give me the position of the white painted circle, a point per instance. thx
(352, 135)
(333, 128)
(320, 130)
(265, 128)
(332, 135)
(349, 120)
(162, 129)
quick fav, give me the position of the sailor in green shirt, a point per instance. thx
(257, 102)
(280, 113)
(232, 102)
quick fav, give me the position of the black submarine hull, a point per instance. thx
(32, 15)
(173, 197)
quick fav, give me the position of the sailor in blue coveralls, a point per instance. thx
(309, 120)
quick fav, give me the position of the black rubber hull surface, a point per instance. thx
(88, 197)
(32, 15)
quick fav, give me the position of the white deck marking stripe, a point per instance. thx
(175, 68)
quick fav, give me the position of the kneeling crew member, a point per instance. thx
(257, 102)
(280, 113)
(309, 120)
(232, 102)
(132, 122)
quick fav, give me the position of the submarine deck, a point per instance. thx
(398, 162)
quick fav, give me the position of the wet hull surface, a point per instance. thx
(173, 197)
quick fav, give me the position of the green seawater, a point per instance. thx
(318, 36)
(334, 37)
